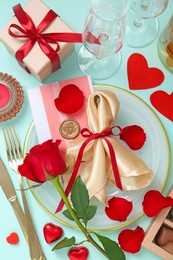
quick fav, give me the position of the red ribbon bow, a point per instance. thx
(91, 136)
(33, 35)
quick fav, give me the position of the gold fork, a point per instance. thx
(15, 158)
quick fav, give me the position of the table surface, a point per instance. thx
(74, 13)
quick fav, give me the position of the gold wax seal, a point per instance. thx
(69, 128)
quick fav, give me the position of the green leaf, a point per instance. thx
(79, 196)
(112, 249)
(67, 214)
(66, 242)
(90, 212)
(80, 201)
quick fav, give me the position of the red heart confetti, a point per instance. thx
(163, 102)
(13, 238)
(131, 240)
(140, 76)
(52, 232)
(154, 202)
(118, 209)
(70, 99)
(78, 253)
(134, 136)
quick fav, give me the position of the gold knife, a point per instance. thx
(9, 191)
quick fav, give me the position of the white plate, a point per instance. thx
(155, 153)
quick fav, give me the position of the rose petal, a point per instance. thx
(131, 240)
(118, 209)
(134, 136)
(70, 99)
(154, 202)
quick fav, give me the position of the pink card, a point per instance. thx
(47, 118)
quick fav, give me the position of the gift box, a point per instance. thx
(159, 235)
(39, 64)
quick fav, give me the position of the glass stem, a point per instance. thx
(138, 22)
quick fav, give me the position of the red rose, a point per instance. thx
(42, 159)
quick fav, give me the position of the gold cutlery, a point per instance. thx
(10, 193)
(15, 158)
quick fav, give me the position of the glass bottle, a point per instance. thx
(165, 45)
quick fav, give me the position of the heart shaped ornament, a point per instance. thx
(13, 238)
(163, 102)
(52, 232)
(140, 76)
(78, 253)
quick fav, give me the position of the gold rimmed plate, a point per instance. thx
(155, 153)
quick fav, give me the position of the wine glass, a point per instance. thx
(141, 30)
(102, 37)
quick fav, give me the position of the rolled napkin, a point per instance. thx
(96, 166)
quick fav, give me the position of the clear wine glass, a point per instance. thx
(141, 30)
(103, 37)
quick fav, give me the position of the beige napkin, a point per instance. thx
(96, 168)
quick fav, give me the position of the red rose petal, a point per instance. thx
(134, 136)
(70, 99)
(131, 240)
(78, 253)
(13, 238)
(154, 202)
(52, 232)
(118, 209)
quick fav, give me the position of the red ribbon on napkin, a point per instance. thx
(34, 34)
(91, 136)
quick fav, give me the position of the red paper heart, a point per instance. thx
(140, 76)
(163, 102)
(52, 232)
(78, 253)
(70, 99)
(13, 238)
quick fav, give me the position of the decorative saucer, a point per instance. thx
(11, 97)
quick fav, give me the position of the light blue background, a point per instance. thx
(74, 13)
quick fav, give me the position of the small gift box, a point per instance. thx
(42, 48)
(159, 235)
